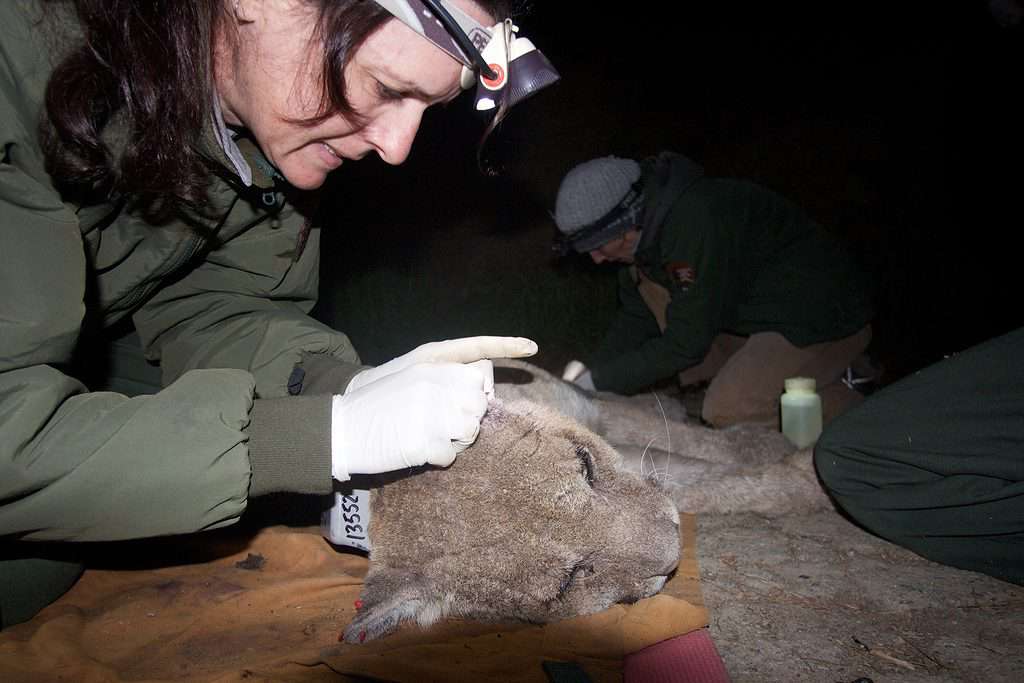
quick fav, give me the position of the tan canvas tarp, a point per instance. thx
(270, 605)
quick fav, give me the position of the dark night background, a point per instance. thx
(896, 128)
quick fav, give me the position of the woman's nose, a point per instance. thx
(394, 133)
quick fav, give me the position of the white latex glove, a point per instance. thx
(463, 350)
(426, 413)
(577, 373)
(573, 369)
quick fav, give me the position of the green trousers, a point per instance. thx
(935, 462)
(30, 581)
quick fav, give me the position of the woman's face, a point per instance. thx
(269, 81)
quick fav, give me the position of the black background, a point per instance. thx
(896, 125)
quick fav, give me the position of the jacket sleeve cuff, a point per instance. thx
(290, 445)
(321, 373)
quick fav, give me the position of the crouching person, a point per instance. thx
(723, 283)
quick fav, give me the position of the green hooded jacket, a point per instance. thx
(226, 317)
(735, 257)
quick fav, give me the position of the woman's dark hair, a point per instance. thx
(145, 65)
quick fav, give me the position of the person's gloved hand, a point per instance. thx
(573, 369)
(578, 373)
(463, 350)
(425, 413)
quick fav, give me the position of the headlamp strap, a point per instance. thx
(464, 41)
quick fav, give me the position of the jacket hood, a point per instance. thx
(666, 177)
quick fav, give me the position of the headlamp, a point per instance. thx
(505, 67)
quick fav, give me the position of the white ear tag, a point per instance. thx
(347, 521)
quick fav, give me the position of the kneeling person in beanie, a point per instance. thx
(723, 283)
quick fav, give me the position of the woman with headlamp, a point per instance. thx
(161, 245)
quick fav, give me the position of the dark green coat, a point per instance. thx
(735, 257)
(226, 318)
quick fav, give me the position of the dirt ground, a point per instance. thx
(816, 598)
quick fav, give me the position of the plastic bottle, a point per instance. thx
(801, 412)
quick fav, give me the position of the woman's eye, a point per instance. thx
(386, 93)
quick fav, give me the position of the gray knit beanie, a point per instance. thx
(589, 192)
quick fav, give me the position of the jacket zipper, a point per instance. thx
(193, 245)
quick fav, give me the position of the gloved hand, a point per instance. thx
(425, 413)
(577, 373)
(573, 369)
(463, 350)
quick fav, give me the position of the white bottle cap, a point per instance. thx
(800, 384)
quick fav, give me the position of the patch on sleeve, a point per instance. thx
(682, 274)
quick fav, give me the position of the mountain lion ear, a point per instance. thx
(391, 596)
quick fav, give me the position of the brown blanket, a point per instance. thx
(271, 605)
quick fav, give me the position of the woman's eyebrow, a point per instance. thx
(409, 89)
